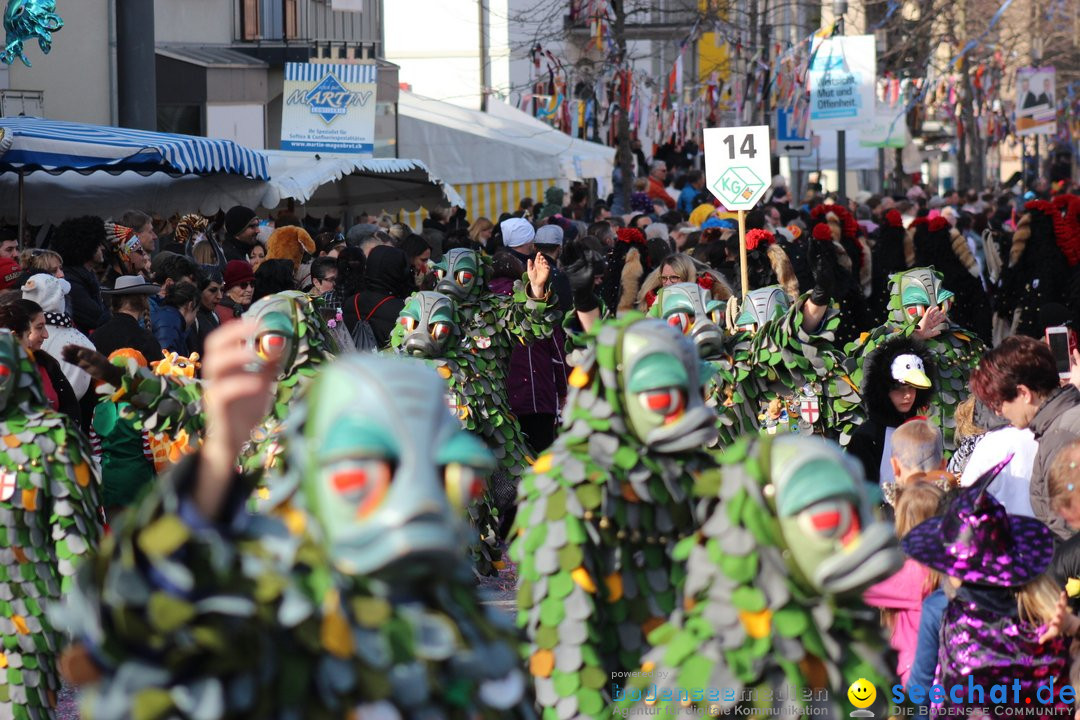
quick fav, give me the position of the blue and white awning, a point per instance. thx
(29, 144)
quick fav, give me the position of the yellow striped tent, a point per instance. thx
(488, 199)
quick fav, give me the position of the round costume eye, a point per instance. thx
(464, 485)
(668, 402)
(946, 305)
(440, 273)
(916, 310)
(270, 347)
(464, 277)
(680, 321)
(361, 482)
(408, 322)
(440, 331)
(832, 520)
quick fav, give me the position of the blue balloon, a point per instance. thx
(25, 20)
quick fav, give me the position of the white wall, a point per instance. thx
(75, 75)
(243, 124)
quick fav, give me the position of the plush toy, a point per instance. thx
(289, 243)
(601, 512)
(771, 616)
(49, 519)
(25, 20)
(429, 327)
(355, 601)
(955, 351)
(168, 449)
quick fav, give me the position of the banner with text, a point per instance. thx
(329, 108)
(842, 76)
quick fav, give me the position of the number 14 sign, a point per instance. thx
(737, 165)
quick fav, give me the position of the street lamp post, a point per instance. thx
(839, 9)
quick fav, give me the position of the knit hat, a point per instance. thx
(289, 243)
(517, 232)
(9, 273)
(549, 235)
(46, 290)
(978, 542)
(237, 272)
(237, 218)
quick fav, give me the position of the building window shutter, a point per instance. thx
(249, 18)
(292, 19)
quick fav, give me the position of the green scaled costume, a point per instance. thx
(788, 379)
(492, 325)
(49, 517)
(787, 542)
(691, 309)
(602, 510)
(355, 600)
(429, 327)
(290, 331)
(956, 351)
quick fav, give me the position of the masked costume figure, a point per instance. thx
(354, 601)
(429, 327)
(954, 353)
(49, 518)
(788, 540)
(602, 510)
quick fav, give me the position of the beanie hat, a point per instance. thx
(517, 232)
(237, 218)
(289, 243)
(9, 273)
(46, 290)
(236, 272)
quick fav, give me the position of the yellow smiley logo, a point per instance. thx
(862, 693)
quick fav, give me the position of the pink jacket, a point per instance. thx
(904, 593)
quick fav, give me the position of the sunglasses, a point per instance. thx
(244, 285)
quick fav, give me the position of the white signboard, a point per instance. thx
(888, 130)
(329, 108)
(842, 77)
(738, 169)
(1036, 112)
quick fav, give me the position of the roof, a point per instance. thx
(210, 56)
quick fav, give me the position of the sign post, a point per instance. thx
(738, 170)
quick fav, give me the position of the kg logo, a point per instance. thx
(862, 694)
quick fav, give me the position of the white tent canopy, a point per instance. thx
(504, 144)
(321, 184)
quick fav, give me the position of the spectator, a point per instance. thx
(549, 242)
(9, 243)
(143, 225)
(387, 283)
(176, 313)
(273, 276)
(918, 456)
(35, 260)
(238, 288)
(602, 231)
(49, 293)
(419, 254)
(695, 185)
(1019, 381)
(130, 297)
(241, 227)
(481, 231)
(125, 254)
(324, 276)
(26, 319)
(657, 191)
(257, 254)
(79, 242)
(206, 318)
(1001, 441)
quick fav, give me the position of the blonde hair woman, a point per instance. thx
(47, 261)
(679, 268)
(480, 231)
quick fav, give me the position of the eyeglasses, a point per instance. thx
(670, 279)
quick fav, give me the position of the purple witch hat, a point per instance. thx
(977, 542)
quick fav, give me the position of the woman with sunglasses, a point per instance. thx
(238, 288)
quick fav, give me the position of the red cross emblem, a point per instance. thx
(810, 410)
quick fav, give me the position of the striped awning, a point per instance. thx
(54, 146)
(489, 200)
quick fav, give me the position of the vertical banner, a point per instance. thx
(1036, 113)
(329, 108)
(842, 78)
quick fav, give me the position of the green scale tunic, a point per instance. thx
(49, 518)
(599, 516)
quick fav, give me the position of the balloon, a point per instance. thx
(25, 20)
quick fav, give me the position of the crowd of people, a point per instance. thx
(912, 330)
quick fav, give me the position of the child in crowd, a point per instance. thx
(1064, 489)
(901, 596)
(994, 627)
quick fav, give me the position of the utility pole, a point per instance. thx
(136, 77)
(485, 64)
(839, 8)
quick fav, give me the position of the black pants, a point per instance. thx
(539, 430)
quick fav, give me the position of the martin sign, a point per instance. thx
(329, 108)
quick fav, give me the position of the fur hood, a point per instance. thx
(877, 380)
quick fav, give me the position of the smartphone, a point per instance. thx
(1062, 342)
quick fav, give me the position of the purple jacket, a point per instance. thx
(536, 383)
